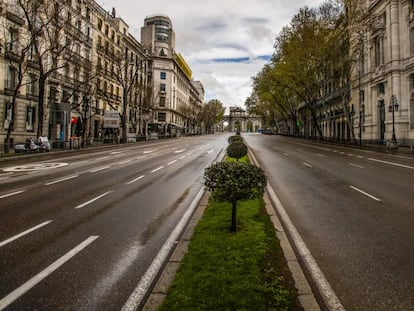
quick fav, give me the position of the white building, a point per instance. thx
(176, 98)
(384, 76)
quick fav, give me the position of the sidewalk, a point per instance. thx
(167, 275)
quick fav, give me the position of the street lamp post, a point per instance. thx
(392, 108)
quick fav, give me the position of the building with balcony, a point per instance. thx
(82, 63)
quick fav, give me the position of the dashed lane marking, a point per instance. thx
(20, 291)
(306, 164)
(24, 233)
(92, 200)
(134, 180)
(62, 179)
(392, 163)
(356, 165)
(157, 169)
(99, 169)
(11, 194)
(365, 193)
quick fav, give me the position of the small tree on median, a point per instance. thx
(237, 150)
(233, 182)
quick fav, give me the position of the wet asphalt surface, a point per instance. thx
(96, 219)
(355, 211)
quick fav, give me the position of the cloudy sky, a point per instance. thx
(225, 42)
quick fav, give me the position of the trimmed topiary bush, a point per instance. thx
(233, 182)
(237, 150)
(234, 138)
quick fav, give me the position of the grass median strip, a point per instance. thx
(224, 270)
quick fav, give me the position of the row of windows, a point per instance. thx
(9, 117)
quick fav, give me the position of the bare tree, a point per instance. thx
(52, 41)
(17, 46)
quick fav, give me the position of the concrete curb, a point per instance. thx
(305, 294)
(159, 291)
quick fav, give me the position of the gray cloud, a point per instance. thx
(238, 34)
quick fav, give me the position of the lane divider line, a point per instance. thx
(327, 293)
(172, 162)
(92, 200)
(392, 163)
(365, 193)
(123, 162)
(24, 233)
(18, 292)
(62, 179)
(99, 169)
(134, 180)
(147, 279)
(11, 194)
(157, 169)
(179, 151)
(181, 158)
(356, 165)
(307, 164)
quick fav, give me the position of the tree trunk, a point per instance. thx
(233, 217)
(40, 108)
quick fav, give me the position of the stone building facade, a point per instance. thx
(383, 79)
(176, 97)
(90, 79)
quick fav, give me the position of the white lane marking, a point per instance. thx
(157, 169)
(334, 150)
(143, 285)
(342, 152)
(210, 151)
(306, 164)
(99, 169)
(320, 155)
(103, 158)
(183, 157)
(116, 152)
(179, 151)
(60, 180)
(148, 151)
(93, 200)
(351, 154)
(325, 289)
(172, 162)
(123, 162)
(6, 174)
(134, 180)
(190, 153)
(10, 194)
(24, 233)
(34, 167)
(14, 295)
(365, 193)
(392, 163)
(360, 157)
(356, 165)
(141, 157)
(286, 154)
